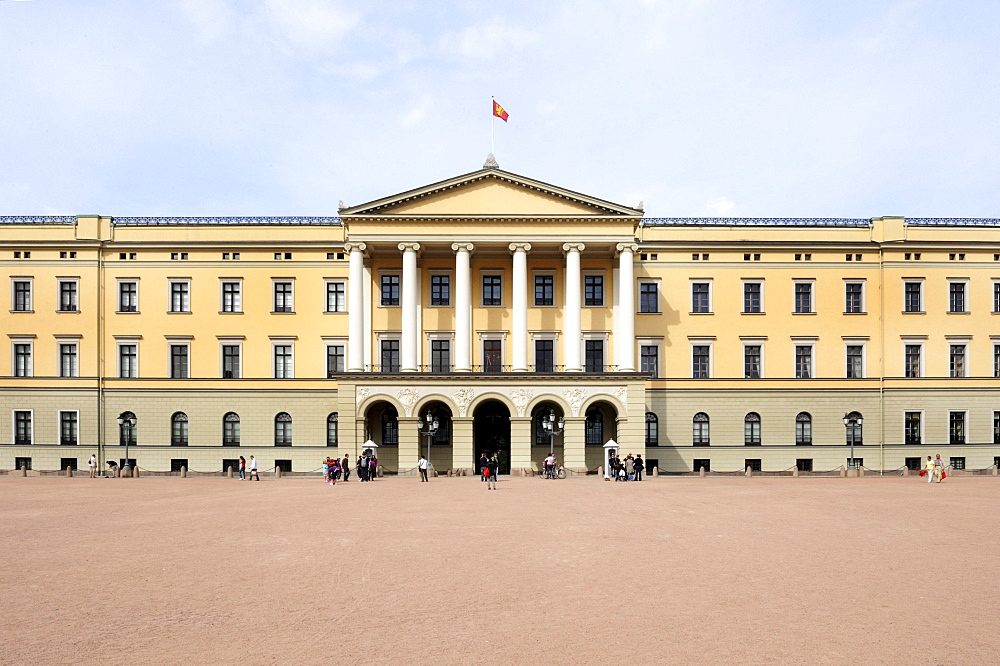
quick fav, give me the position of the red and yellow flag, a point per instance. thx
(500, 112)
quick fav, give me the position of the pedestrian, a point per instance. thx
(93, 466)
(243, 468)
(372, 467)
(938, 468)
(492, 468)
(484, 463)
(326, 469)
(929, 469)
(253, 469)
(363, 467)
(639, 467)
(345, 465)
(334, 471)
(422, 466)
(629, 467)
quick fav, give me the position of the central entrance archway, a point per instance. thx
(491, 433)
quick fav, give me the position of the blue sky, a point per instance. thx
(701, 107)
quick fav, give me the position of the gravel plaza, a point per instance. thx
(670, 570)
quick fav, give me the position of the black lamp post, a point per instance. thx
(553, 428)
(428, 429)
(852, 422)
(130, 422)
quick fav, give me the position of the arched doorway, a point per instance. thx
(441, 440)
(547, 419)
(491, 433)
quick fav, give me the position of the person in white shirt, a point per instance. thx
(422, 466)
(253, 469)
(549, 464)
(93, 466)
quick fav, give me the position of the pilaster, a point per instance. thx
(520, 444)
(574, 448)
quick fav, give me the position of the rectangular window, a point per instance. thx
(390, 290)
(544, 356)
(700, 298)
(492, 290)
(68, 429)
(128, 296)
(996, 360)
(956, 427)
(911, 364)
(441, 290)
(232, 297)
(855, 361)
(956, 297)
(283, 368)
(593, 355)
(22, 428)
(230, 361)
(593, 291)
(648, 360)
(68, 366)
(803, 298)
(752, 297)
(803, 361)
(128, 361)
(853, 297)
(911, 428)
(751, 361)
(335, 360)
(440, 355)
(22, 296)
(390, 355)
(913, 300)
(283, 297)
(700, 361)
(544, 290)
(804, 464)
(492, 355)
(22, 359)
(956, 360)
(702, 463)
(996, 297)
(957, 462)
(68, 296)
(803, 430)
(336, 297)
(649, 297)
(753, 464)
(179, 361)
(180, 296)
(996, 427)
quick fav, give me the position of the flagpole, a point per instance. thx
(493, 119)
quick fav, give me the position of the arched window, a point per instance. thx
(595, 427)
(390, 427)
(283, 429)
(652, 430)
(126, 431)
(231, 429)
(854, 429)
(179, 429)
(751, 429)
(331, 429)
(803, 429)
(699, 427)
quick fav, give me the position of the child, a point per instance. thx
(334, 472)
(326, 469)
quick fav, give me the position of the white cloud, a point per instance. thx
(487, 40)
(313, 23)
(719, 207)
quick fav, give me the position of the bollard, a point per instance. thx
(749, 472)
(24, 470)
(656, 472)
(994, 470)
(184, 472)
(906, 471)
(69, 471)
(701, 472)
(135, 472)
(795, 471)
(843, 472)
(230, 472)
(277, 472)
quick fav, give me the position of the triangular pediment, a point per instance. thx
(490, 192)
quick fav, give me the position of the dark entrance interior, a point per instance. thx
(492, 433)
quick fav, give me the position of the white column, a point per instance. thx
(625, 321)
(571, 311)
(356, 308)
(410, 332)
(463, 307)
(519, 302)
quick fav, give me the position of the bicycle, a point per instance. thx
(554, 472)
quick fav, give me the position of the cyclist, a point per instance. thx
(550, 466)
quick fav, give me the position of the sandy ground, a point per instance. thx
(779, 570)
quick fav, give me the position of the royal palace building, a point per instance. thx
(515, 314)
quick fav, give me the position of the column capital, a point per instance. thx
(573, 247)
(458, 247)
(409, 247)
(626, 247)
(519, 247)
(355, 247)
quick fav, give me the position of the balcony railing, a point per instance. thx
(487, 369)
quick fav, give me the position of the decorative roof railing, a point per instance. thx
(37, 219)
(953, 221)
(233, 221)
(755, 222)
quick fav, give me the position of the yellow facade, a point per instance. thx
(491, 300)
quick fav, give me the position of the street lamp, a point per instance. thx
(851, 422)
(130, 422)
(553, 428)
(428, 429)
